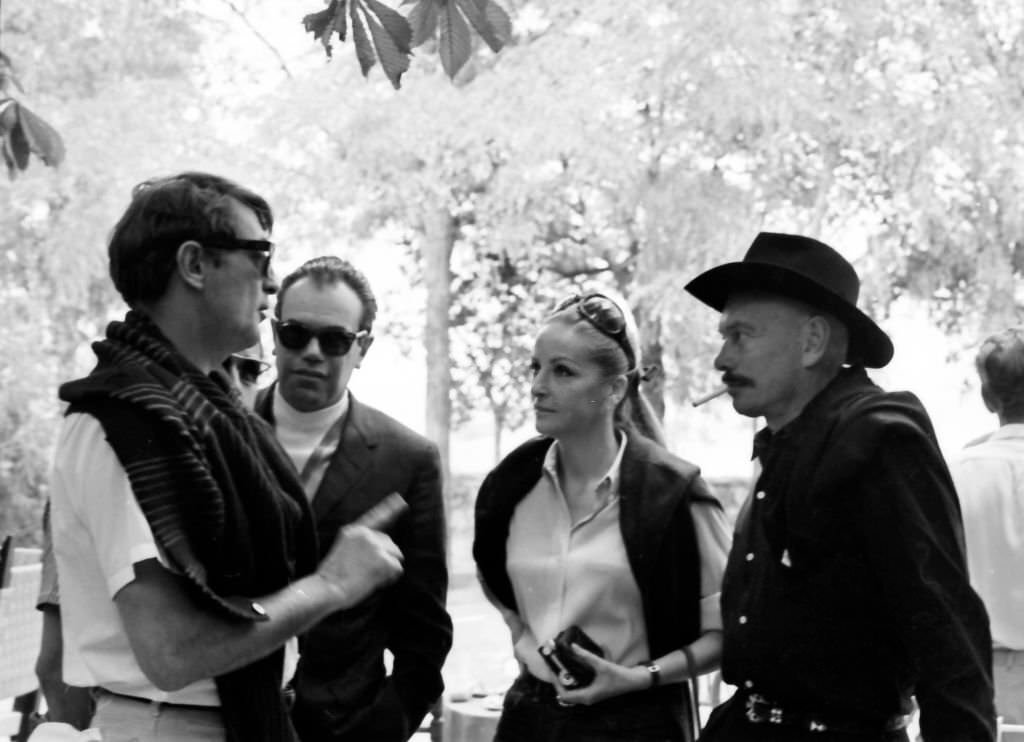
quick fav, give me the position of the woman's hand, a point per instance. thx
(610, 680)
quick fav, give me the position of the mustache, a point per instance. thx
(735, 380)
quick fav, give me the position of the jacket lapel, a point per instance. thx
(347, 468)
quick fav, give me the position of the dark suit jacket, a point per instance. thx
(342, 689)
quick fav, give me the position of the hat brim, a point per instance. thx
(869, 344)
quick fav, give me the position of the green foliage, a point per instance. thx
(120, 108)
(630, 145)
(691, 126)
(391, 37)
(91, 45)
(498, 304)
(22, 132)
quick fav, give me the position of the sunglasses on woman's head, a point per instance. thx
(225, 242)
(333, 340)
(605, 316)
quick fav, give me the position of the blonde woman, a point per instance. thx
(594, 524)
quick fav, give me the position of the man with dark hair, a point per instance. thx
(350, 456)
(989, 476)
(846, 591)
(185, 548)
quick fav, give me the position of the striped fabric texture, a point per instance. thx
(222, 499)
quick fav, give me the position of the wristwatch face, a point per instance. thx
(655, 670)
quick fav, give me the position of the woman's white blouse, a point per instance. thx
(564, 573)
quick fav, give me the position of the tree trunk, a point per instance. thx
(439, 233)
(654, 390)
(499, 427)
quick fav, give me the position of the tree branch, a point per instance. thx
(263, 39)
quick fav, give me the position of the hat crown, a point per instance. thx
(809, 258)
(801, 268)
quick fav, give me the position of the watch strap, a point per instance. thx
(654, 670)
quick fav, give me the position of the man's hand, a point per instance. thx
(177, 640)
(362, 559)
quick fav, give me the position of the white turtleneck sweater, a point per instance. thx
(299, 433)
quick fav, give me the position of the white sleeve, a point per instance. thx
(92, 492)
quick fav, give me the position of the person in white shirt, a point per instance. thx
(595, 525)
(185, 550)
(989, 477)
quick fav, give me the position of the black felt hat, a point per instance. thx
(800, 268)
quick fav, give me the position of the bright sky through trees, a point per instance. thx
(628, 144)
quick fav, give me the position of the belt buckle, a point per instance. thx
(760, 710)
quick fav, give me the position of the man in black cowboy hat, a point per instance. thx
(846, 591)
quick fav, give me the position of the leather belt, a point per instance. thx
(164, 704)
(760, 710)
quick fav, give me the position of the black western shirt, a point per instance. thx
(846, 590)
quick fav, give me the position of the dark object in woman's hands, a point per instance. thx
(572, 672)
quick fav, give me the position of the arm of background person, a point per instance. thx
(66, 703)
(419, 626)
(913, 537)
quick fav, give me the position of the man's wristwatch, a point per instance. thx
(654, 669)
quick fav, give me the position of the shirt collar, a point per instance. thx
(610, 479)
(762, 443)
(821, 405)
(1010, 430)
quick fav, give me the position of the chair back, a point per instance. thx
(1009, 732)
(21, 625)
(21, 629)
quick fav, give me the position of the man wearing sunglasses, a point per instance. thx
(244, 369)
(350, 457)
(186, 553)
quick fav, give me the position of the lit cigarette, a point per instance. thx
(710, 395)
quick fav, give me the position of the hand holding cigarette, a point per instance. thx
(363, 558)
(384, 513)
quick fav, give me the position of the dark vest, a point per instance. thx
(656, 489)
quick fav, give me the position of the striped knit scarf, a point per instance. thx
(221, 498)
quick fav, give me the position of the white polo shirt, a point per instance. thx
(99, 534)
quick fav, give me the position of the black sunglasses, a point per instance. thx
(333, 340)
(605, 316)
(225, 242)
(249, 369)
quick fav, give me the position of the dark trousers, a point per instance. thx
(532, 714)
(729, 723)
